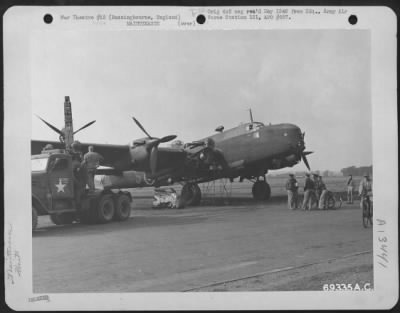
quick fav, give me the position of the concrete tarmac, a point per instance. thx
(178, 250)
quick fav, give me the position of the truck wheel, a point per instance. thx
(122, 207)
(88, 216)
(55, 219)
(105, 209)
(34, 218)
(62, 219)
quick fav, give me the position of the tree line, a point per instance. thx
(356, 171)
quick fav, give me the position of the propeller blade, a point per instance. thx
(141, 127)
(52, 127)
(167, 138)
(307, 152)
(153, 160)
(83, 127)
(304, 133)
(303, 156)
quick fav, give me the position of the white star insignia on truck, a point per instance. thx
(60, 186)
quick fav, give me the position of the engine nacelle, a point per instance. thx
(140, 156)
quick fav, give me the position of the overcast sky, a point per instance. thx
(187, 83)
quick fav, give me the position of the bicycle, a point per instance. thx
(330, 201)
(367, 209)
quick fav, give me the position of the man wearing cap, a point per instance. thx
(350, 188)
(91, 161)
(365, 188)
(292, 187)
(309, 187)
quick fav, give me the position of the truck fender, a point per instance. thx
(39, 205)
(126, 193)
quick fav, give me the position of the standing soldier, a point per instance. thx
(317, 186)
(309, 187)
(91, 161)
(350, 188)
(323, 192)
(80, 175)
(291, 187)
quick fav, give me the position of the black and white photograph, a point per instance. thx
(200, 155)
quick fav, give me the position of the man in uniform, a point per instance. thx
(350, 188)
(317, 186)
(91, 161)
(292, 187)
(323, 192)
(365, 188)
(309, 187)
(79, 171)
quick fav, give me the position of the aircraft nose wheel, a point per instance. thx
(261, 190)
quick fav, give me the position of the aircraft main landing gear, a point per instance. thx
(261, 190)
(191, 194)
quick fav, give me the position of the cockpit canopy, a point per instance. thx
(254, 126)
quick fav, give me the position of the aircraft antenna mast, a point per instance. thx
(68, 130)
(251, 116)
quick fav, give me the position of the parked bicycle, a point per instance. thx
(367, 210)
(332, 201)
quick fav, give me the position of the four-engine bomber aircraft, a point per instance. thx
(247, 151)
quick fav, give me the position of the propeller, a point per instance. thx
(62, 132)
(141, 127)
(305, 153)
(83, 127)
(152, 146)
(153, 159)
(304, 158)
(52, 127)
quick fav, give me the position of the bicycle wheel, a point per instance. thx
(314, 202)
(365, 214)
(330, 201)
(370, 214)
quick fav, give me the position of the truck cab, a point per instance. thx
(53, 182)
(57, 192)
(53, 187)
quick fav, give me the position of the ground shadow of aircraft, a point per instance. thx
(247, 151)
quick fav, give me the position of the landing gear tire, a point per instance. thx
(261, 190)
(34, 218)
(62, 219)
(122, 204)
(105, 209)
(191, 194)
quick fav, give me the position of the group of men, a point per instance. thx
(314, 190)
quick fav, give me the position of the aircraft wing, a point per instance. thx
(115, 156)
